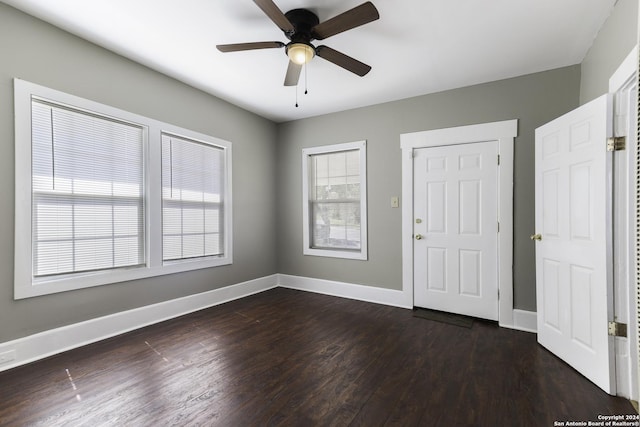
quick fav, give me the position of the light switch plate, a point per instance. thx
(395, 202)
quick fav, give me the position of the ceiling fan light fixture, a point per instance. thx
(300, 53)
(301, 27)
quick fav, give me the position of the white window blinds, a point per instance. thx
(335, 200)
(87, 191)
(105, 195)
(192, 199)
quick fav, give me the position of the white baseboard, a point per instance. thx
(524, 320)
(48, 343)
(54, 341)
(346, 290)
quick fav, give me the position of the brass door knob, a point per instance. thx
(418, 236)
(536, 237)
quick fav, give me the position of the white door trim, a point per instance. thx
(624, 72)
(504, 132)
(622, 80)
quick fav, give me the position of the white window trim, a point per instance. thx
(24, 284)
(362, 254)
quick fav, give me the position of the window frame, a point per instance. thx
(222, 202)
(307, 223)
(25, 284)
(64, 120)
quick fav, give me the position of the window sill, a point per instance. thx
(357, 255)
(26, 288)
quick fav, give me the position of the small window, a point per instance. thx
(335, 215)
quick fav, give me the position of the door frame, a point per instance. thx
(504, 132)
(626, 350)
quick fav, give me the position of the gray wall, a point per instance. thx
(533, 99)
(40, 53)
(267, 162)
(616, 38)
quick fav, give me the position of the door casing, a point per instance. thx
(623, 85)
(504, 132)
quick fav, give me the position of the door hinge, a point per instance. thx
(617, 329)
(616, 143)
(498, 227)
(498, 159)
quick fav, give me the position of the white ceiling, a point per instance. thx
(416, 47)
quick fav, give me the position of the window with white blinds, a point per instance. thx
(105, 196)
(335, 200)
(88, 191)
(192, 199)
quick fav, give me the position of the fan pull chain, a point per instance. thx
(306, 91)
(305, 79)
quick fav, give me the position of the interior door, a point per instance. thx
(455, 229)
(573, 217)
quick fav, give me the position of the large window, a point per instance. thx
(334, 182)
(104, 196)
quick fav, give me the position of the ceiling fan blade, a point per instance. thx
(342, 60)
(352, 18)
(293, 74)
(248, 46)
(275, 14)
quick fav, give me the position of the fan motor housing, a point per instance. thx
(303, 21)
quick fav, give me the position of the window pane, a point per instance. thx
(87, 184)
(53, 256)
(336, 225)
(335, 200)
(212, 243)
(192, 198)
(172, 246)
(126, 250)
(55, 221)
(192, 245)
(336, 176)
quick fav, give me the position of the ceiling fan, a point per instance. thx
(301, 26)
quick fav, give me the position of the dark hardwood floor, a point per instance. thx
(293, 358)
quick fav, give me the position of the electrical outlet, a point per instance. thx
(7, 356)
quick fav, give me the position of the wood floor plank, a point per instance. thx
(286, 357)
(334, 379)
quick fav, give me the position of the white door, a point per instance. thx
(573, 181)
(455, 229)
